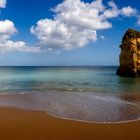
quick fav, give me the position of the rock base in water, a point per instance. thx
(124, 72)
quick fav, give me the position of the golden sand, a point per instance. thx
(18, 124)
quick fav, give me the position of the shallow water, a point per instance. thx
(94, 94)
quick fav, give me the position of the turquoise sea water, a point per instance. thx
(43, 79)
(83, 93)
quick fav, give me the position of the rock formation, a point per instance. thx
(130, 54)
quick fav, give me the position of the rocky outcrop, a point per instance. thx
(130, 54)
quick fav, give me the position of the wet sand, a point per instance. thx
(18, 124)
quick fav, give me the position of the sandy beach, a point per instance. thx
(18, 124)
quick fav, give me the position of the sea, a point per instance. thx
(89, 94)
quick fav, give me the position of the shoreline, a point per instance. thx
(91, 122)
(38, 125)
(36, 102)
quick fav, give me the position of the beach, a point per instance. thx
(35, 100)
(19, 124)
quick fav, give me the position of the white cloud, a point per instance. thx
(72, 27)
(111, 12)
(2, 3)
(76, 23)
(19, 46)
(114, 11)
(128, 11)
(7, 29)
(58, 35)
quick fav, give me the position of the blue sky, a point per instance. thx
(71, 32)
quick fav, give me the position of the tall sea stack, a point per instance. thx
(130, 54)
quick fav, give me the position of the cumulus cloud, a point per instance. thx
(111, 12)
(7, 29)
(129, 11)
(76, 23)
(20, 46)
(2, 3)
(57, 35)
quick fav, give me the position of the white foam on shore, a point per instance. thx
(72, 106)
(104, 122)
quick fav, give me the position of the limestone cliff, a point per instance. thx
(130, 54)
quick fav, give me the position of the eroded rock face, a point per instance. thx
(130, 54)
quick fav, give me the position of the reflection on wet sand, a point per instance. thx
(93, 107)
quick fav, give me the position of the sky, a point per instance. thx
(64, 32)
